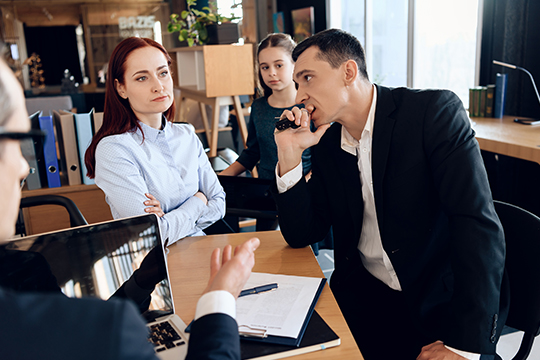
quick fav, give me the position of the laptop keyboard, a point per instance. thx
(164, 336)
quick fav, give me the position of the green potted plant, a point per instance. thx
(199, 27)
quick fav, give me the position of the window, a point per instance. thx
(431, 46)
(388, 45)
(445, 45)
(230, 7)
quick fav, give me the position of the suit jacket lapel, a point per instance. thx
(382, 137)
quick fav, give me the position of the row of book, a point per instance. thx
(59, 159)
(488, 101)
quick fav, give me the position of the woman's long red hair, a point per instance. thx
(118, 117)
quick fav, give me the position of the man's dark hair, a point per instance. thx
(335, 47)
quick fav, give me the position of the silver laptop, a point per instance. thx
(98, 260)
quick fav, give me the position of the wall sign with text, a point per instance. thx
(142, 26)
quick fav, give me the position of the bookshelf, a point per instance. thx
(89, 199)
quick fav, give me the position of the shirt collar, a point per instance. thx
(150, 133)
(348, 142)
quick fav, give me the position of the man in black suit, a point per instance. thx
(52, 326)
(397, 173)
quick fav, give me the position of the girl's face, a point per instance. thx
(276, 68)
(148, 84)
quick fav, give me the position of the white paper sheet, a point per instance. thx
(280, 312)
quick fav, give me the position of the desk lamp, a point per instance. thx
(522, 121)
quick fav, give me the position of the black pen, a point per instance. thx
(258, 289)
(255, 290)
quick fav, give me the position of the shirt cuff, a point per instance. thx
(465, 354)
(219, 301)
(290, 179)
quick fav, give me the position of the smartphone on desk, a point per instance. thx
(528, 121)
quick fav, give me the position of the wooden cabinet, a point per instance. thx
(214, 75)
(215, 70)
(89, 199)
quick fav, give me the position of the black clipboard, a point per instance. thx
(318, 336)
(287, 341)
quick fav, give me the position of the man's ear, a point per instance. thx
(350, 72)
(120, 89)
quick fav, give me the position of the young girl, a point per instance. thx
(141, 160)
(276, 79)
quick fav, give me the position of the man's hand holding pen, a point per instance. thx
(291, 143)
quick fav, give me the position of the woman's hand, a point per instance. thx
(201, 196)
(154, 205)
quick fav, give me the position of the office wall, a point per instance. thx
(511, 33)
(319, 8)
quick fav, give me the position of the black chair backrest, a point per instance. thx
(249, 197)
(522, 234)
(76, 218)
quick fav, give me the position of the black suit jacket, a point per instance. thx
(434, 209)
(52, 326)
(214, 337)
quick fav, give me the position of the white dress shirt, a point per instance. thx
(374, 257)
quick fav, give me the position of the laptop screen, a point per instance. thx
(94, 260)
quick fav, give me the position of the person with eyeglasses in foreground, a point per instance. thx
(397, 173)
(47, 326)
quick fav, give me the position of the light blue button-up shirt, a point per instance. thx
(171, 165)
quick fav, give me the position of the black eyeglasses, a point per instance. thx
(14, 135)
(34, 135)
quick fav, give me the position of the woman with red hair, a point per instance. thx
(141, 160)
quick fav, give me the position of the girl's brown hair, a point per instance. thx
(273, 40)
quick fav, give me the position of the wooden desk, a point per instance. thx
(189, 269)
(504, 136)
(190, 92)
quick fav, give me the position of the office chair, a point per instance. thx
(76, 218)
(522, 234)
(222, 226)
(245, 102)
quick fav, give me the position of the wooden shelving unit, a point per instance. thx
(214, 75)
